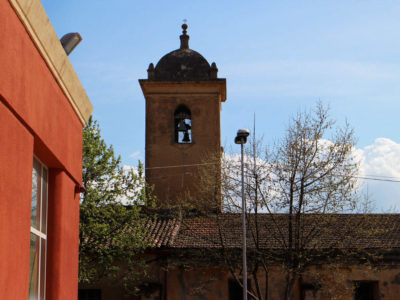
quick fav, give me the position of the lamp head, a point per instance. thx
(69, 41)
(241, 136)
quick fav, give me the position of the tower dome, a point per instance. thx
(183, 64)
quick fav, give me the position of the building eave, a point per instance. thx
(215, 86)
(37, 24)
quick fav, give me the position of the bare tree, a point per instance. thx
(293, 190)
(310, 175)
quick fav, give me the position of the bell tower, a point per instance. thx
(183, 102)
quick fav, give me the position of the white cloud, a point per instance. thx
(382, 158)
(127, 169)
(381, 161)
(135, 154)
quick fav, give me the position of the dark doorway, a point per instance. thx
(89, 294)
(235, 290)
(366, 290)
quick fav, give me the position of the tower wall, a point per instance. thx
(175, 169)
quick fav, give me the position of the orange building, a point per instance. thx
(43, 108)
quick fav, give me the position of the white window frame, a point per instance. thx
(39, 233)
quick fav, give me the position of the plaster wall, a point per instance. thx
(36, 118)
(16, 160)
(337, 282)
(29, 89)
(63, 241)
(199, 284)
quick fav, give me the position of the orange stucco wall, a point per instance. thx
(16, 151)
(36, 118)
(63, 242)
(29, 88)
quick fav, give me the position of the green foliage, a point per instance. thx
(111, 233)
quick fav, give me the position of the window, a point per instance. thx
(366, 290)
(235, 290)
(89, 294)
(310, 291)
(37, 265)
(183, 125)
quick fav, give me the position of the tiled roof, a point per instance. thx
(338, 231)
(161, 232)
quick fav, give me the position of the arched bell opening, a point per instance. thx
(183, 125)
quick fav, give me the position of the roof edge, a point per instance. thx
(218, 85)
(37, 24)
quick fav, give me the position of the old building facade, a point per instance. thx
(196, 253)
(194, 250)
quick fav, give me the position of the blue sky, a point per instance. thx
(277, 56)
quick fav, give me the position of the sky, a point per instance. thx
(278, 57)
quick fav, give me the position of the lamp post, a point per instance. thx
(241, 138)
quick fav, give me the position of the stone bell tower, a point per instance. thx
(183, 102)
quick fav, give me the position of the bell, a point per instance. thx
(186, 137)
(182, 126)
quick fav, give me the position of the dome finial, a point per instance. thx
(184, 37)
(184, 26)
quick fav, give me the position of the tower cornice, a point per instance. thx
(217, 86)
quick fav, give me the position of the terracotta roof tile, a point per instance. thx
(161, 232)
(374, 231)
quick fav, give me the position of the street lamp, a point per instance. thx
(241, 138)
(69, 41)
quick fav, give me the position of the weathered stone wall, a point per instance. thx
(172, 167)
(334, 282)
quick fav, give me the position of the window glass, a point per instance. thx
(36, 194)
(43, 210)
(37, 264)
(34, 267)
(42, 268)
